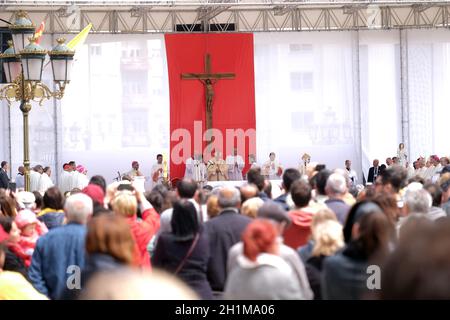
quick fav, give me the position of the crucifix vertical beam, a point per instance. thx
(208, 79)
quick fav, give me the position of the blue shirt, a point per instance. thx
(55, 252)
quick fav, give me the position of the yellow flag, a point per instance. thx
(79, 38)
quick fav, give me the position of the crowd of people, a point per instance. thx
(325, 237)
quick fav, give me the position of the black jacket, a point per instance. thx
(169, 254)
(4, 180)
(370, 177)
(223, 232)
(345, 274)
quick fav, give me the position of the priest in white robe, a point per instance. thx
(252, 161)
(134, 172)
(189, 170)
(272, 169)
(217, 168)
(196, 170)
(35, 176)
(45, 182)
(80, 178)
(65, 182)
(157, 172)
(235, 165)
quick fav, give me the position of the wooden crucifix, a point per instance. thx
(208, 79)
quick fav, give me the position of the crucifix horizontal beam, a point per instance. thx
(207, 79)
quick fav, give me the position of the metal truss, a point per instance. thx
(263, 16)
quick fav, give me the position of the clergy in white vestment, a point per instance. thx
(196, 169)
(45, 182)
(80, 178)
(65, 182)
(303, 167)
(157, 172)
(20, 178)
(235, 165)
(272, 169)
(252, 161)
(134, 172)
(351, 173)
(217, 168)
(401, 155)
(189, 170)
(35, 176)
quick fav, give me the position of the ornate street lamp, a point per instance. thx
(23, 67)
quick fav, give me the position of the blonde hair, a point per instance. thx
(328, 238)
(125, 203)
(321, 216)
(250, 207)
(212, 206)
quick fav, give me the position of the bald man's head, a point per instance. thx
(248, 191)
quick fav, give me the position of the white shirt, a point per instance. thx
(353, 176)
(34, 180)
(270, 169)
(155, 168)
(80, 180)
(45, 183)
(235, 173)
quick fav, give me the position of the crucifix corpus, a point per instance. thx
(208, 79)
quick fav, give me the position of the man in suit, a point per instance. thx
(374, 172)
(224, 231)
(4, 179)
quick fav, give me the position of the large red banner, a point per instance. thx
(234, 99)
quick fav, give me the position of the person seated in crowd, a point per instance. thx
(250, 207)
(186, 189)
(328, 238)
(30, 231)
(305, 252)
(435, 212)
(274, 213)
(97, 195)
(223, 232)
(14, 256)
(13, 285)
(61, 248)
(248, 191)
(393, 180)
(184, 251)
(125, 204)
(298, 232)
(255, 177)
(52, 214)
(416, 202)
(320, 182)
(212, 206)
(368, 235)
(289, 177)
(109, 247)
(419, 267)
(260, 267)
(7, 204)
(336, 188)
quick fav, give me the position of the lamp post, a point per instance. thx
(23, 67)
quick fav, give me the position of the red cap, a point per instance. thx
(95, 193)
